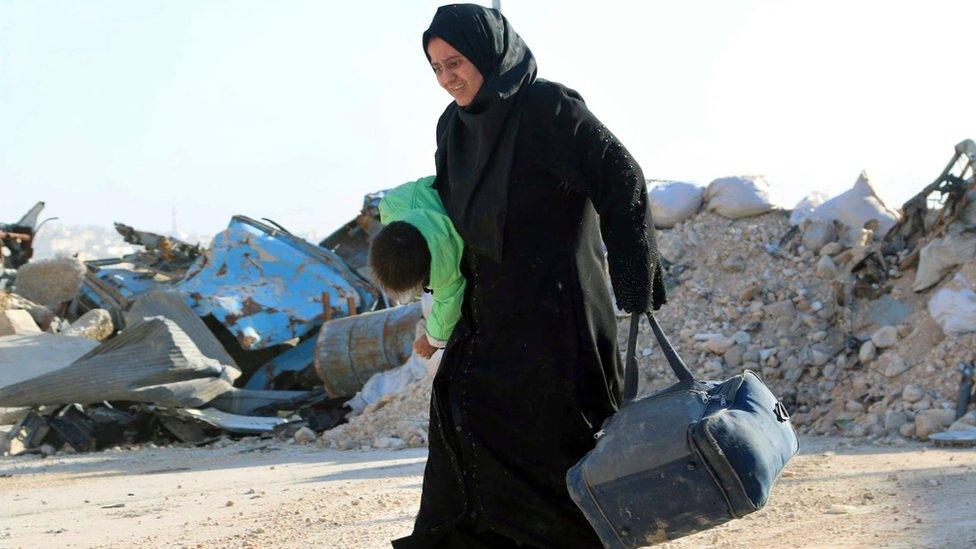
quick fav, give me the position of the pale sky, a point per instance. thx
(122, 110)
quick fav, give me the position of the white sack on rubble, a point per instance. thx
(858, 205)
(805, 207)
(953, 307)
(938, 257)
(394, 380)
(737, 197)
(673, 202)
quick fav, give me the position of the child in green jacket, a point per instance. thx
(418, 247)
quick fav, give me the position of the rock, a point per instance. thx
(893, 421)
(831, 249)
(911, 394)
(391, 443)
(867, 352)
(733, 356)
(817, 233)
(305, 436)
(17, 322)
(907, 430)
(826, 268)
(42, 315)
(782, 308)
(932, 421)
(742, 338)
(896, 365)
(96, 325)
(715, 343)
(884, 337)
(853, 406)
(50, 282)
(966, 422)
(734, 264)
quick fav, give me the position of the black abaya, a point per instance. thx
(532, 368)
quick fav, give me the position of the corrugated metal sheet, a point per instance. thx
(267, 286)
(172, 305)
(153, 361)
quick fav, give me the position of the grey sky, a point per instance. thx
(122, 110)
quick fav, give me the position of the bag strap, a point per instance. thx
(630, 373)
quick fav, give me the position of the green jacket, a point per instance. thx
(418, 204)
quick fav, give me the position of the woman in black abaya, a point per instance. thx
(530, 179)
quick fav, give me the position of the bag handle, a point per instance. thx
(630, 373)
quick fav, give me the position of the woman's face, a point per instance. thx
(454, 72)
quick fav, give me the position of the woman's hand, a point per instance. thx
(423, 347)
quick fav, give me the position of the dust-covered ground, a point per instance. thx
(260, 493)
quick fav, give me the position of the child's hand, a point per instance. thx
(423, 347)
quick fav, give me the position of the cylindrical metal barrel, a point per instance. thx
(351, 349)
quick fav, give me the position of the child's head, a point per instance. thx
(399, 258)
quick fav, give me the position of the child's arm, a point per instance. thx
(445, 311)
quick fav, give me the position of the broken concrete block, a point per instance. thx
(41, 314)
(24, 357)
(50, 282)
(96, 325)
(153, 361)
(305, 436)
(17, 322)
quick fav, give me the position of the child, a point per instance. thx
(417, 248)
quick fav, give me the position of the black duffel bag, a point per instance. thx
(693, 456)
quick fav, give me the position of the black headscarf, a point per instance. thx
(476, 144)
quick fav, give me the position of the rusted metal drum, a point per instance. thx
(351, 349)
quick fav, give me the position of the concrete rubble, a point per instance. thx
(177, 344)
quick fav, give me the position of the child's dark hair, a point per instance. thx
(399, 257)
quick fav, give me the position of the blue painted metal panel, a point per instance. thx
(267, 286)
(293, 360)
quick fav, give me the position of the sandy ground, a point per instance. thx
(258, 493)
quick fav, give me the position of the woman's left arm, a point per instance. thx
(591, 160)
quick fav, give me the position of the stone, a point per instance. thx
(305, 436)
(893, 421)
(96, 325)
(831, 249)
(867, 352)
(782, 308)
(751, 355)
(911, 394)
(826, 268)
(966, 422)
(818, 233)
(733, 357)
(853, 407)
(734, 264)
(932, 421)
(885, 336)
(716, 343)
(896, 365)
(742, 338)
(17, 322)
(41, 314)
(907, 430)
(50, 282)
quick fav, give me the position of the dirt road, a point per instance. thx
(266, 494)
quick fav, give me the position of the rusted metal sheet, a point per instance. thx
(265, 284)
(350, 350)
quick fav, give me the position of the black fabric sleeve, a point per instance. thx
(589, 159)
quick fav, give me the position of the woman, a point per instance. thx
(532, 368)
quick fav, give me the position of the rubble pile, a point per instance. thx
(862, 319)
